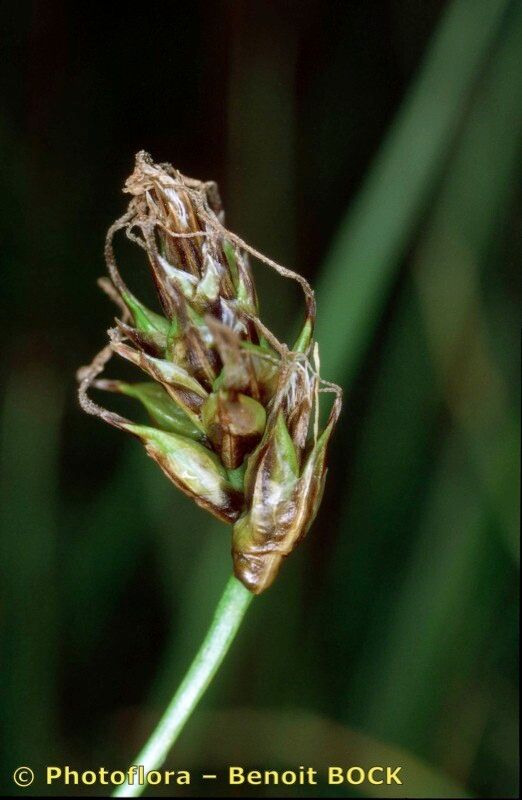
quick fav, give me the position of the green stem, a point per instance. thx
(227, 619)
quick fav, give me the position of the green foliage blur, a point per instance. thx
(375, 148)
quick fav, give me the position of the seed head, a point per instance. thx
(234, 412)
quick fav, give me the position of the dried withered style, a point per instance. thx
(234, 412)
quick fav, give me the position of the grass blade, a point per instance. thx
(376, 231)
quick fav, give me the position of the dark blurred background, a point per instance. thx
(375, 148)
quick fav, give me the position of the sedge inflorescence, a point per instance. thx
(234, 412)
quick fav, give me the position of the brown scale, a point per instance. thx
(203, 362)
(151, 343)
(162, 288)
(229, 512)
(232, 434)
(191, 351)
(184, 397)
(185, 249)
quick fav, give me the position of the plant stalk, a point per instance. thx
(225, 624)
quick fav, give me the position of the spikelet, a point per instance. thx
(234, 412)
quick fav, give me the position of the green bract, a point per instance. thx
(234, 411)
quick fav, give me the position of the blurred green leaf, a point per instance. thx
(29, 567)
(450, 259)
(366, 253)
(419, 672)
(272, 738)
(110, 537)
(431, 639)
